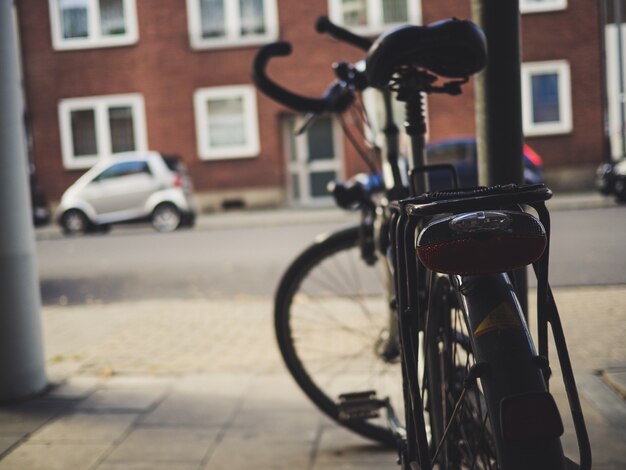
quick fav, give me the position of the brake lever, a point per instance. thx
(309, 119)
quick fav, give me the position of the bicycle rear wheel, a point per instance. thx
(332, 322)
(449, 357)
(464, 403)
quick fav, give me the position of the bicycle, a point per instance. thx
(474, 390)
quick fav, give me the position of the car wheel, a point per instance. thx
(620, 189)
(166, 217)
(74, 222)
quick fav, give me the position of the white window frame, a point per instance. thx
(562, 69)
(100, 105)
(252, 146)
(549, 5)
(375, 23)
(95, 39)
(233, 37)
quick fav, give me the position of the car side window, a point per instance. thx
(451, 153)
(123, 169)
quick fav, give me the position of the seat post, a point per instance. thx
(415, 126)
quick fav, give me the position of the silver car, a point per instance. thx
(129, 187)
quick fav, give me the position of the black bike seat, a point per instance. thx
(450, 48)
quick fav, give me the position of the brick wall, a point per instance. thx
(164, 68)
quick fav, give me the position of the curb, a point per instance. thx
(249, 218)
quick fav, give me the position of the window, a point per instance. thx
(452, 153)
(231, 23)
(81, 24)
(547, 103)
(370, 16)
(226, 122)
(535, 6)
(124, 169)
(95, 127)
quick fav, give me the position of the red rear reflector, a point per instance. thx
(475, 255)
(530, 416)
(481, 242)
(178, 181)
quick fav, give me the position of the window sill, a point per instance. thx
(81, 163)
(200, 44)
(530, 9)
(237, 154)
(82, 44)
(547, 131)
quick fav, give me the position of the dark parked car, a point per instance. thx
(39, 202)
(611, 179)
(461, 152)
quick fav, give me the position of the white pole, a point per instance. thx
(22, 369)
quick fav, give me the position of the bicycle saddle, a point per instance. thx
(450, 48)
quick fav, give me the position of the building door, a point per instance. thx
(314, 159)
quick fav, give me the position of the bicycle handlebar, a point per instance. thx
(336, 99)
(324, 25)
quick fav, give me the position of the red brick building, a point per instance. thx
(105, 76)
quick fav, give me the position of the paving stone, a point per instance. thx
(9, 440)
(277, 392)
(60, 456)
(59, 371)
(123, 400)
(193, 409)
(148, 466)
(264, 425)
(74, 388)
(165, 444)
(201, 400)
(81, 427)
(239, 453)
(339, 448)
(607, 441)
(27, 416)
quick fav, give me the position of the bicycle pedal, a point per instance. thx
(359, 406)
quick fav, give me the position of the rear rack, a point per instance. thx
(408, 214)
(460, 200)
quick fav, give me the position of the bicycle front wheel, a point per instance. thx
(334, 327)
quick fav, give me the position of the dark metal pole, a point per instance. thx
(499, 103)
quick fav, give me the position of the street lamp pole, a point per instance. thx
(499, 104)
(22, 370)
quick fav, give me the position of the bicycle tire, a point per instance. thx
(475, 438)
(337, 322)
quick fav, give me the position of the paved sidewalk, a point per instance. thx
(199, 385)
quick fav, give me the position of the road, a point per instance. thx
(132, 264)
